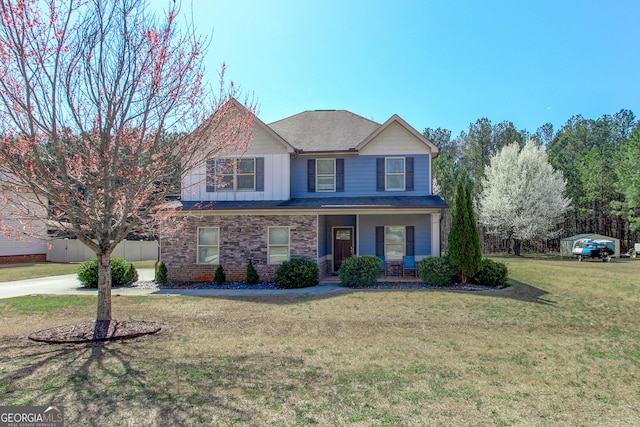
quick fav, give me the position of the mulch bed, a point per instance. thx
(421, 285)
(85, 332)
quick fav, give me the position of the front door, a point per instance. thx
(342, 245)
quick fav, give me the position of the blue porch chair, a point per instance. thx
(383, 267)
(409, 264)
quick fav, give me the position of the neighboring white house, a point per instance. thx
(19, 248)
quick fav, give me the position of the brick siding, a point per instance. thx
(242, 237)
(19, 259)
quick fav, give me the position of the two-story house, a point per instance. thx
(323, 185)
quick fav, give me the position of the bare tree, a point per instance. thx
(89, 91)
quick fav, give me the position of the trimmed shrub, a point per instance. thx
(219, 278)
(492, 273)
(297, 273)
(360, 270)
(435, 271)
(122, 272)
(161, 273)
(252, 274)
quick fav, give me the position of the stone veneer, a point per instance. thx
(242, 237)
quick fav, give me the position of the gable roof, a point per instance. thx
(324, 130)
(337, 130)
(397, 119)
(237, 105)
(266, 128)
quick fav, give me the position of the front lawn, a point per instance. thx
(560, 348)
(46, 269)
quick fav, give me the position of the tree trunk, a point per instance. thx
(104, 287)
(516, 247)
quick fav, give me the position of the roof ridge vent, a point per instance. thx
(325, 110)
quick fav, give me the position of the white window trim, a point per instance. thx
(234, 173)
(387, 174)
(333, 175)
(404, 241)
(198, 246)
(269, 245)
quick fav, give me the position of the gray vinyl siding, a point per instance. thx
(360, 178)
(422, 224)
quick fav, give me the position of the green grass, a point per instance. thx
(40, 303)
(46, 269)
(561, 347)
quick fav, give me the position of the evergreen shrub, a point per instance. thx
(360, 270)
(492, 273)
(252, 275)
(161, 273)
(122, 272)
(219, 278)
(297, 273)
(435, 271)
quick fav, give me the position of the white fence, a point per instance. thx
(72, 250)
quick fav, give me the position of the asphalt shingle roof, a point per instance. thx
(324, 130)
(391, 202)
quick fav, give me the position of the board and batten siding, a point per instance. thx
(276, 173)
(360, 177)
(276, 183)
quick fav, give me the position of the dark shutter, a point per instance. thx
(410, 248)
(379, 241)
(408, 174)
(259, 173)
(211, 174)
(311, 175)
(380, 174)
(340, 175)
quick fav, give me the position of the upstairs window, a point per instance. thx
(394, 174)
(325, 175)
(231, 175)
(245, 174)
(224, 171)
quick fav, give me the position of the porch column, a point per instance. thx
(435, 234)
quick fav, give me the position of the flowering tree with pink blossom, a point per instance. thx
(102, 108)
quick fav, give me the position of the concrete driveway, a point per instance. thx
(69, 285)
(66, 284)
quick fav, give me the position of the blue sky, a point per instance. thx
(434, 63)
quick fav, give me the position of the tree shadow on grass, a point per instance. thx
(521, 292)
(516, 290)
(284, 299)
(136, 383)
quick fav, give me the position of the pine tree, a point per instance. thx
(464, 241)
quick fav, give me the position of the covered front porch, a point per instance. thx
(399, 239)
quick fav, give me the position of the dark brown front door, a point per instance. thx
(342, 246)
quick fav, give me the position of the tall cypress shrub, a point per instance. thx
(464, 241)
